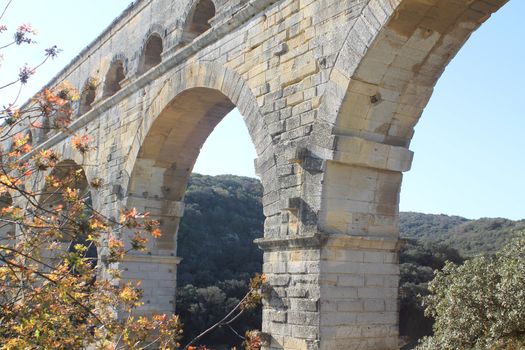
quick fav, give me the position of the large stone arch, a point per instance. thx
(162, 156)
(211, 76)
(392, 59)
(381, 82)
(379, 85)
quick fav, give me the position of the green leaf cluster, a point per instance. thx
(480, 305)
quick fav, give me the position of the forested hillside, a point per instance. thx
(469, 237)
(224, 215)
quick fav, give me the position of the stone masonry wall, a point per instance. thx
(330, 91)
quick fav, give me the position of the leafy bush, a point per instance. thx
(480, 305)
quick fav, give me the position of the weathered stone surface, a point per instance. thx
(330, 91)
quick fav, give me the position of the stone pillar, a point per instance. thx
(331, 292)
(156, 268)
(331, 251)
(291, 314)
(359, 293)
(359, 259)
(292, 255)
(158, 277)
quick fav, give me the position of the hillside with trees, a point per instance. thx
(469, 237)
(224, 215)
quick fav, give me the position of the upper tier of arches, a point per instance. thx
(103, 80)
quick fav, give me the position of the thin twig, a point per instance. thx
(5, 9)
(218, 324)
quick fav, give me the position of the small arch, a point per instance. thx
(152, 53)
(88, 95)
(114, 77)
(61, 118)
(46, 126)
(7, 228)
(71, 176)
(199, 21)
(30, 138)
(74, 230)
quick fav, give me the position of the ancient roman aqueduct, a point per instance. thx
(330, 91)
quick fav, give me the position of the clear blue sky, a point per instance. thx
(469, 145)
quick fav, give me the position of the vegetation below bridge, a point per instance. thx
(224, 215)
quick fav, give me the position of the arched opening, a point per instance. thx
(387, 91)
(30, 138)
(73, 222)
(54, 122)
(86, 99)
(7, 227)
(198, 22)
(88, 95)
(213, 230)
(183, 125)
(463, 192)
(46, 129)
(223, 216)
(483, 130)
(152, 53)
(114, 77)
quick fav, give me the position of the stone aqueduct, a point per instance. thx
(330, 91)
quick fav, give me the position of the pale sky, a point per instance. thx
(469, 145)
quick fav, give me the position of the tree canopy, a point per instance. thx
(479, 305)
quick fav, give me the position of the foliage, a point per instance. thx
(51, 295)
(213, 296)
(222, 218)
(430, 238)
(202, 307)
(418, 261)
(480, 304)
(218, 204)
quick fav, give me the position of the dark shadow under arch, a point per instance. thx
(88, 95)
(198, 21)
(7, 229)
(114, 77)
(152, 54)
(75, 229)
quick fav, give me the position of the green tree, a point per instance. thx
(418, 261)
(481, 304)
